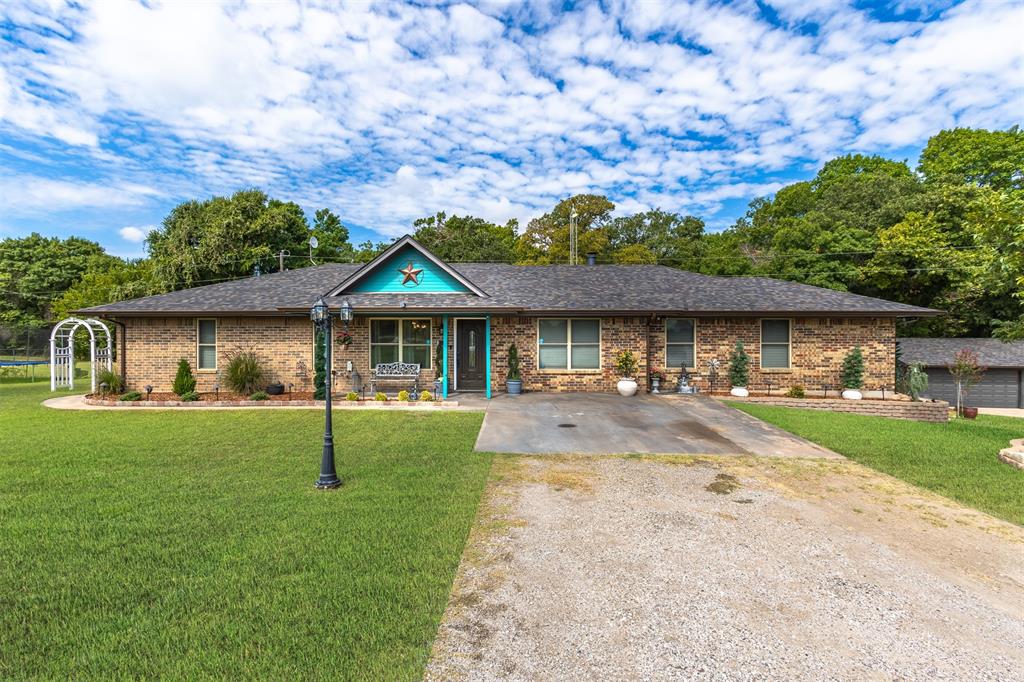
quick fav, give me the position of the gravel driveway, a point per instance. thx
(729, 568)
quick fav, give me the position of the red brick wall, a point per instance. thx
(154, 346)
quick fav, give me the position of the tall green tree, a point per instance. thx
(466, 238)
(225, 237)
(986, 158)
(108, 282)
(546, 239)
(332, 238)
(35, 269)
(656, 236)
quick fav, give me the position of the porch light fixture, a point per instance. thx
(346, 313)
(321, 316)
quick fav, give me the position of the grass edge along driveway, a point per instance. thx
(957, 460)
(188, 544)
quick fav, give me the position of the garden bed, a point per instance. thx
(287, 400)
(894, 409)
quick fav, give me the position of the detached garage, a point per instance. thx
(1002, 385)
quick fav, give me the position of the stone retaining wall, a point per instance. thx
(894, 409)
(1014, 455)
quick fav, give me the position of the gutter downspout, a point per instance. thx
(121, 360)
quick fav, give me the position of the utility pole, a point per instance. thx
(280, 260)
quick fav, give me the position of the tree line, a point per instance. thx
(947, 233)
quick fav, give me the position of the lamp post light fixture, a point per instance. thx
(104, 388)
(149, 389)
(321, 316)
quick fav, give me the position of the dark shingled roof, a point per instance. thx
(940, 352)
(541, 288)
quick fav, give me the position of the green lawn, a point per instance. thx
(957, 459)
(192, 544)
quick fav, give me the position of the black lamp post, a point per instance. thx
(321, 316)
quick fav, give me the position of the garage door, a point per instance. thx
(998, 388)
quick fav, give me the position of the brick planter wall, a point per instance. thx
(894, 409)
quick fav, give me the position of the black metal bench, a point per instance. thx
(403, 373)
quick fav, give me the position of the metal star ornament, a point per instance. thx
(411, 274)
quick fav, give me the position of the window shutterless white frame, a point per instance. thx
(692, 344)
(776, 344)
(200, 345)
(401, 340)
(569, 344)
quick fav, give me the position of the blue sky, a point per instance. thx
(112, 112)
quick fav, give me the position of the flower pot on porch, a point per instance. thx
(627, 387)
(739, 391)
(852, 394)
(655, 385)
(514, 386)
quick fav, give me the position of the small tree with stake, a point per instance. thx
(513, 363)
(966, 371)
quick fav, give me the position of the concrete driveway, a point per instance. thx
(601, 424)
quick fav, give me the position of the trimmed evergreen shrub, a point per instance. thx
(426, 397)
(259, 395)
(319, 368)
(351, 396)
(852, 373)
(380, 397)
(403, 396)
(513, 362)
(796, 392)
(184, 381)
(189, 397)
(244, 372)
(739, 366)
(130, 396)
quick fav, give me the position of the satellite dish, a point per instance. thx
(313, 243)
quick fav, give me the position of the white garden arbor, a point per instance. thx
(62, 351)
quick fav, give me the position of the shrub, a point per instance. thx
(852, 373)
(796, 392)
(380, 397)
(244, 372)
(626, 364)
(739, 366)
(403, 396)
(189, 397)
(658, 374)
(130, 395)
(426, 397)
(439, 360)
(259, 395)
(319, 367)
(113, 380)
(966, 371)
(184, 382)
(351, 396)
(917, 380)
(513, 363)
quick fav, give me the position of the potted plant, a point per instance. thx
(626, 364)
(657, 376)
(739, 371)
(513, 382)
(852, 374)
(276, 388)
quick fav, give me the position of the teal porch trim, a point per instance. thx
(444, 356)
(425, 277)
(487, 345)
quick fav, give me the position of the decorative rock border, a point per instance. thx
(937, 412)
(1014, 455)
(336, 404)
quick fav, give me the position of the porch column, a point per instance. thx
(487, 345)
(444, 357)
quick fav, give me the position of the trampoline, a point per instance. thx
(24, 363)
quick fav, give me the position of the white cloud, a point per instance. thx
(32, 195)
(390, 112)
(134, 234)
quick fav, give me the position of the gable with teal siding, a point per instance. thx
(387, 278)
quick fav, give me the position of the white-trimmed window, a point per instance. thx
(206, 346)
(400, 340)
(775, 344)
(569, 344)
(680, 343)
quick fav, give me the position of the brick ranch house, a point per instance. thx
(568, 323)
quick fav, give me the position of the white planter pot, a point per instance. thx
(852, 394)
(627, 387)
(739, 392)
